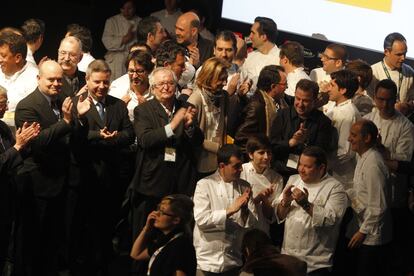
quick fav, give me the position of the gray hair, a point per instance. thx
(160, 69)
(72, 39)
(98, 65)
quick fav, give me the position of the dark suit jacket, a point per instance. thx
(10, 158)
(47, 158)
(102, 159)
(154, 176)
(67, 90)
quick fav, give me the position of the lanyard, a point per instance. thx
(158, 251)
(400, 78)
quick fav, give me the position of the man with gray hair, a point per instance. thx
(69, 55)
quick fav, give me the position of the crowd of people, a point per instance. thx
(218, 161)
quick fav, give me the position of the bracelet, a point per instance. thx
(304, 203)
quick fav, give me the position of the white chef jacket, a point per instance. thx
(313, 238)
(217, 239)
(293, 78)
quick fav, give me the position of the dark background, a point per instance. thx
(93, 13)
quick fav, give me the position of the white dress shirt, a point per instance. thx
(259, 182)
(84, 62)
(318, 75)
(369, 200)
(293, 78)
(406, 91)
(313, 238)
(217, 239)
(343, 162)
(18, 86)
(255, 62)
(397, 135)
(30, 57)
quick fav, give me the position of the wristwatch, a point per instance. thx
(306, 206)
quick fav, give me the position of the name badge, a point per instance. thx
(170, 154)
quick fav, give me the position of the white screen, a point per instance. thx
(344, 23)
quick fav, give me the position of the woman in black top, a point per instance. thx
(165, 240)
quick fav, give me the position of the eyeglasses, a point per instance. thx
(325, 56)
(162, 84)
(71, 55)
(138, 72)
(163, 213)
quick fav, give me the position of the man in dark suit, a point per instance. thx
(69, 55)
(166, 134)
(269, 97)
(102, 165)
(10, 159)
(42, 179)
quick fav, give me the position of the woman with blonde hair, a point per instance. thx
(211, 102)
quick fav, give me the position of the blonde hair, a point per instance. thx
(210, 72)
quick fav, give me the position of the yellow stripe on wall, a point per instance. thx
(378, 5)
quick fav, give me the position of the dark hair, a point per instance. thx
(167, 52)
(145, 26)
(227, 151)
(141, 44)
(308, 86)
(181, 206)
(32, 29)
(226, 35)
(362, 69)
(389, 40)
(258, 142)
(339, 50)
(16, 42)
(389, 85)
(293, 51)
(142, 58)
(369, 128)
(253, 240)
(123, 2)
(269, 75)
(83, 34)
(268, 27)
(348, 80)
(317, 153)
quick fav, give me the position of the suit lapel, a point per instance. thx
(45, 107)
(159, 112)
(94, 117)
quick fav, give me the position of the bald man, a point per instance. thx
(69, 55)
(44, 174)
(187, 30)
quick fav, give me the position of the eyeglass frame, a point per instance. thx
(138, 72)
(64, 53)
(323, 55)
(161, 212)
(162, 84)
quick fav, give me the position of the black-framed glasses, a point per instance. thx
(138, 72)
(325, 56)
(162, 84)
(163, 213)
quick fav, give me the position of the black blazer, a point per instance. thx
(67, 90)
(154, 176)
(47, 156)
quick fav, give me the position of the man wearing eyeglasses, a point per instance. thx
(166, 133)
(69, 55)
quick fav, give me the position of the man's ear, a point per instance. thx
(342, 91)
(18, 58)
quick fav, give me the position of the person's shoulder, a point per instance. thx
(407, 69)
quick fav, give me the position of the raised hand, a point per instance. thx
(67, 110)
(25, 134)
(178, 118)
(299, 136)
(194, 56)
(189, 115)
(241, 201)
(83, 105)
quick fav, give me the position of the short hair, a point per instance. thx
(72, 39)
(348, 80)
(210, 72)
(142, 58)
(253, 240)
(226, 35)
(141, 44)
(181, 206)
(368, 127)
(362, 69)
(391, 38)
(270, 74)
(318, 153)
(308, 86)
(123, 2)
(258, 142)
(225, 152)
(294, 52)
(268, 27)
(83, 34)
(151, 79)
(167, 52)
(145, 26)
(98, 65)
(32, 29)
(389, 85)
(339, 50)
(16, 42)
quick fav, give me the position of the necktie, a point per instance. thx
(101, 110)
(55, 109)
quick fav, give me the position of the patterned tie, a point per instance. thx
(101, 110)
(55, 109)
